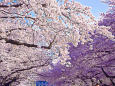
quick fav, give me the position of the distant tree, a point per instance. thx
(34, 37)
(108, 18)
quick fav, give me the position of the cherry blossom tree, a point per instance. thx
(35, 37)
(88, 67)
(108, 19)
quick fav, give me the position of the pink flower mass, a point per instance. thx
(56, 41)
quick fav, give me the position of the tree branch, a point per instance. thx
(14, 17)
(16, 5)
(108, 76)
(70, 19)
(14, 79)
(14, 42)
(50, 45)
(106, 73)
(6, 6)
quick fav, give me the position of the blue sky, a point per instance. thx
(96, 5)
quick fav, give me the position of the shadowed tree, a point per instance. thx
(34, 37)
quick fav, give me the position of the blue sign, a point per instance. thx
(40, 83)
